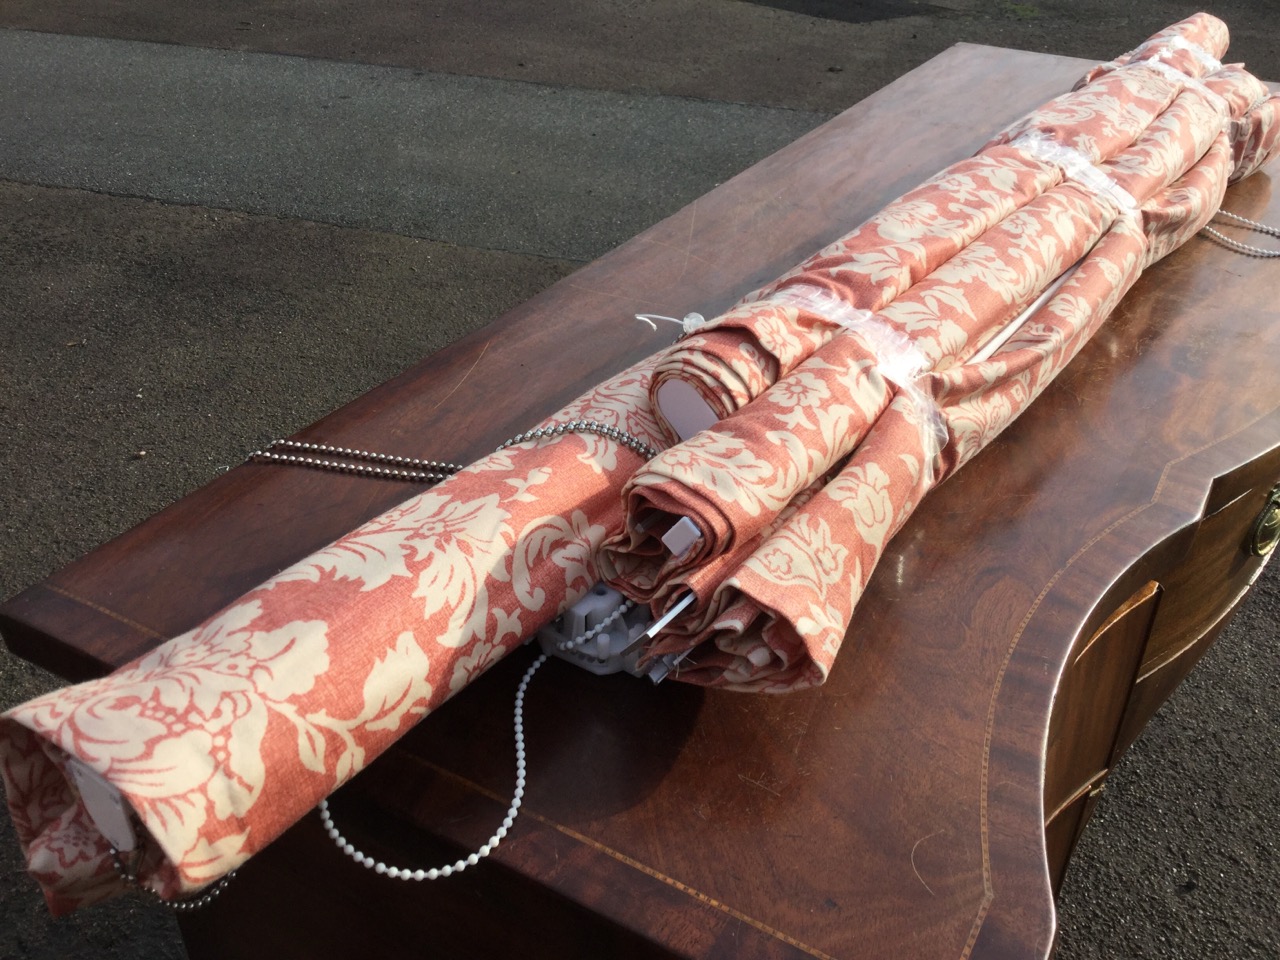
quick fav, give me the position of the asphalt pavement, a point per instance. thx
(221, 221)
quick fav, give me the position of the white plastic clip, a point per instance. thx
(681, 537)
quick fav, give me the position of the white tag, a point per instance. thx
(684, 408)
(106, 807)
(681, 537)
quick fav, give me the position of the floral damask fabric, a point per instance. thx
(733, 360)
(729, 479)
(774, 617)
(221, 738)
(751, 465)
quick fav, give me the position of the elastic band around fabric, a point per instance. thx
(1077, 167)
(897, 359)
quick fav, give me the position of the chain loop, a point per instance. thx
(413, 470)
(1247, 249)
(435, 873)
(194, 903)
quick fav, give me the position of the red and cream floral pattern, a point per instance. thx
(224, 736)
(735, 478)
(729, 479)
(773, 617)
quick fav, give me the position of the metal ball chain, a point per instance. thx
(1236, 245)
(413, 470)
(635, 444)
(422, 470)
(1251, 224)
(194, 903)
(435, 873)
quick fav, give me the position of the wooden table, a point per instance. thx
(1019, 633)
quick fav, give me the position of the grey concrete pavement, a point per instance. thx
(767, 52)
(521, 167)
(151, 345)
(150, 342)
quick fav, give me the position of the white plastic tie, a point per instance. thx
(898, 360)
(1185, 82)
(1208, 62)
(1031, 309)
(1077, 167)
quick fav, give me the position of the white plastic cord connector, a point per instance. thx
(588, 635)
(1077, 167)
(596, 632)
(898, 360)
(691, 322)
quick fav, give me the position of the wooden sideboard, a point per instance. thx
(1020, 631)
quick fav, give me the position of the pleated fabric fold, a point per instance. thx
(732, 360)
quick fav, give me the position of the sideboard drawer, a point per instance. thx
(1208, 582)
(1091, 700)
(1090, 703)
(1116, 678)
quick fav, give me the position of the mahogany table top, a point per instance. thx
(897, 810)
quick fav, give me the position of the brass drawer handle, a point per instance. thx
(1265, 533)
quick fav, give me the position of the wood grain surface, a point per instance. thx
(897, 811)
